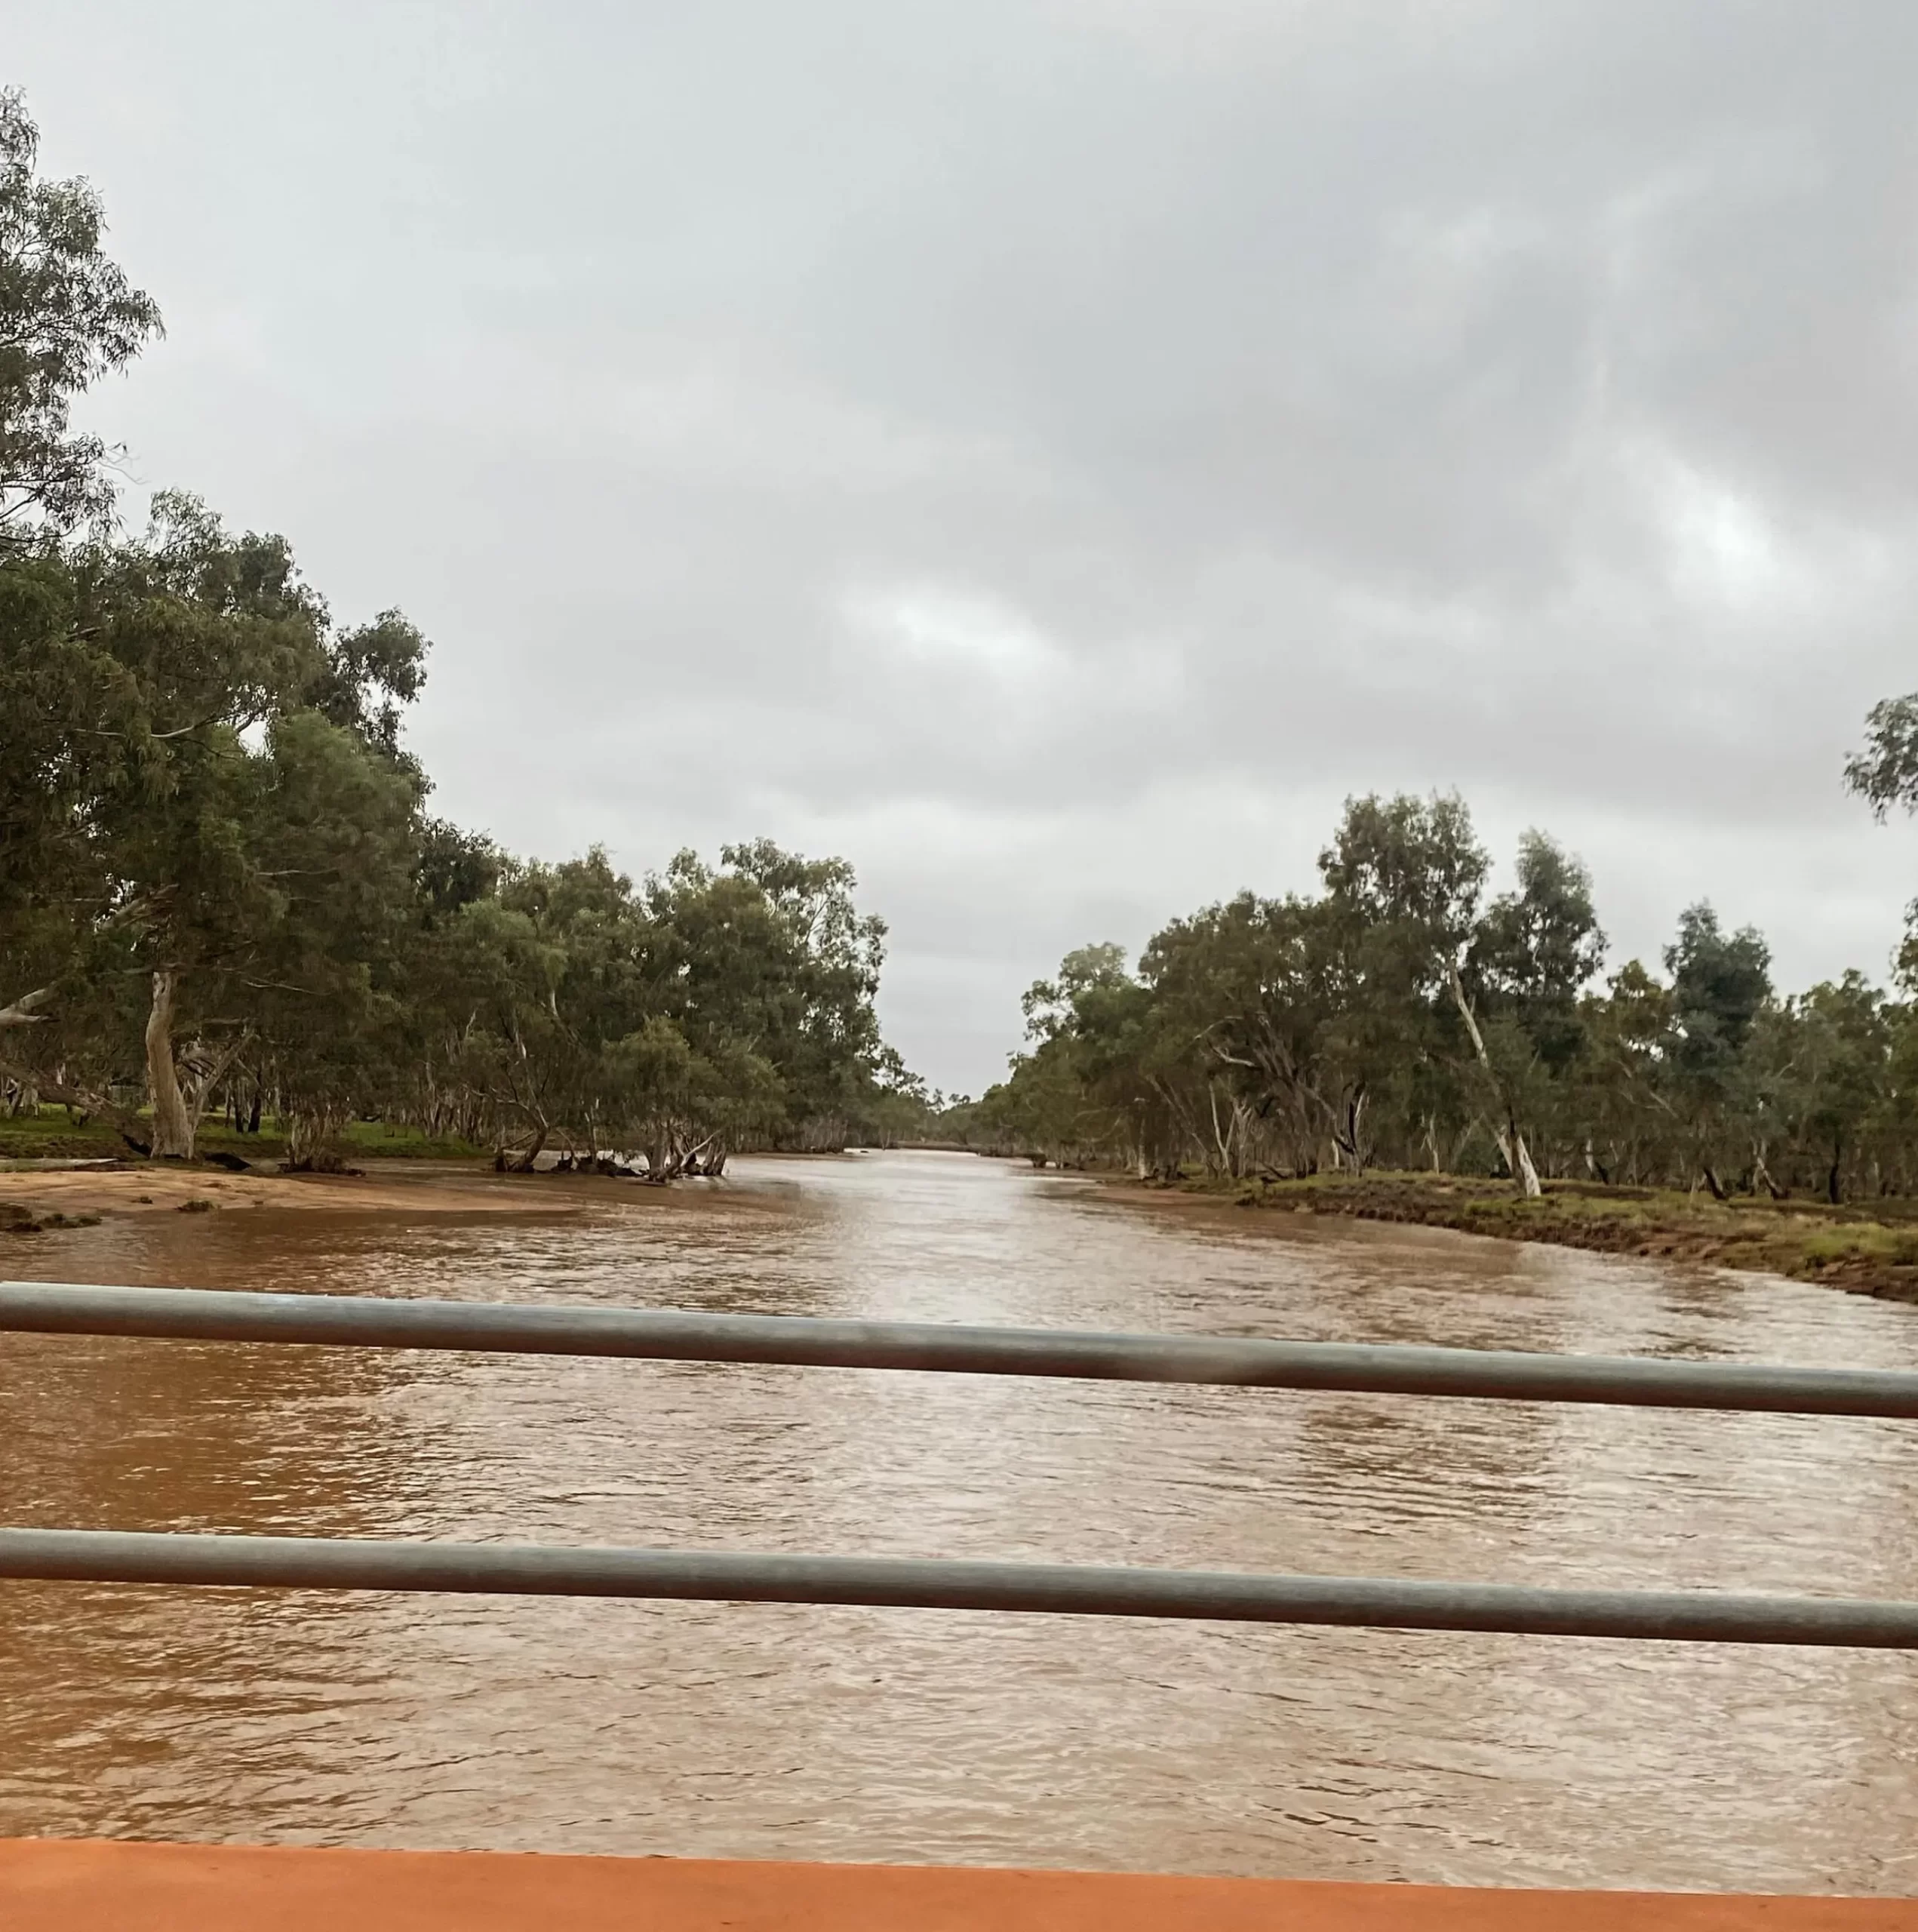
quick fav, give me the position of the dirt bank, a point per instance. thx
(33, 1199)
(1864, 1250)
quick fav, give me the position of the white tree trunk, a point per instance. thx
(1511, 1139)
(1521, 1158)
(172, 1122)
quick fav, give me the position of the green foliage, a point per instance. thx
(219, 885)
(1886, 772)
(1537, 949)
(1399, 1018)
(216, 830)
(1411, 868)
(68, 316)
(1719, 984)
(223, 879)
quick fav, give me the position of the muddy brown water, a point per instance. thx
(789, 1732)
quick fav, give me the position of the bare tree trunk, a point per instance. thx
(83, 1103)
(311, 1142)
(206, 1067)
(173, 1124)
(1528, 1175)
(1221, 1138)
(25, 1010)
(1510, 1137)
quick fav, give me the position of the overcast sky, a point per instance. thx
(1053, 453)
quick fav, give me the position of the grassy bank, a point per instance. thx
(52, 1135)
(1870, 1249)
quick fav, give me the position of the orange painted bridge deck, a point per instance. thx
(55, 1885)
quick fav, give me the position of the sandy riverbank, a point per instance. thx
(39, 1195)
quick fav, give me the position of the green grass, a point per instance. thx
(51, 1136)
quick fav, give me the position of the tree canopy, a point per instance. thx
(220, 880)
(1400, 1018)
(68, 316)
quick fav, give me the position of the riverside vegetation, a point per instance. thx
(1368, 1048)
(1401, 1046)
(223, 894)
(231, 926)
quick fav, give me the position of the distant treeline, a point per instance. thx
(1398, 1017)
(220, 885)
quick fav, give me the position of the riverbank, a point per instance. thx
(52, 1135)
(35, 1200)
(1864, 1250)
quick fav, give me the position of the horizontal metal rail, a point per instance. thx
(673, 1335)
(113, 1556)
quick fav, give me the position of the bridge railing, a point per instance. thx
(311, 1563)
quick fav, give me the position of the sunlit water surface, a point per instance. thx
(780, 1732)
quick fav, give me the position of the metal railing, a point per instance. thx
(50, 1308)
(291, 1562)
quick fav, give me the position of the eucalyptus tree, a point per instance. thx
(1885, 772)
(828, 1055)
(1404, 877)
(522, 970)
(1261, 987)
(1106, 1073)
(323, 983)
(1531, 955)
(1837, 1089)
(699, 1010)
(68, 315)
(1616, 1082)
(1720, 984)
(232, 819)
(214, 853)
(52, 688)
(767, 963)
(428, 1085)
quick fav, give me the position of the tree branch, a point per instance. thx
(24, 1010)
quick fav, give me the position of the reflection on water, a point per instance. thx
(787, 1732)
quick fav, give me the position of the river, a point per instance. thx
(772, 1731)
